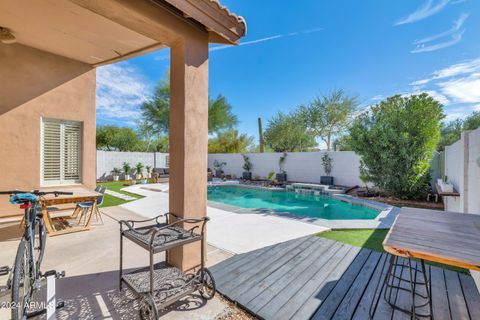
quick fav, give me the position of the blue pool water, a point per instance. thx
(324, 207)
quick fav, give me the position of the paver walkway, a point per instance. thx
(120, 195)
(317, 278)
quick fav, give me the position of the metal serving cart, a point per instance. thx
(160, 285)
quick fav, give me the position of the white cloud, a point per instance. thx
(454, 34)
(378, 97)
(278, 36)
(428, 9)
(120, 91)
(456, 86)
(456, 27)
(463, 90)
(456, 38)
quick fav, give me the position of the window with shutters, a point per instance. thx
(61, 152)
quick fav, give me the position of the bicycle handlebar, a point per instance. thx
(38, 192)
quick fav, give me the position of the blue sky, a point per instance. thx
(296, 50)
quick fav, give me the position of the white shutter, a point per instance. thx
(61, 152)
(72, 151)
(51, 151)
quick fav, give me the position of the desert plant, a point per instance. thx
(271, 175)
(327, 163)
(329, 115)
(281, 162)
(247, 165)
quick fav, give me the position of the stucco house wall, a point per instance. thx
(36, 84)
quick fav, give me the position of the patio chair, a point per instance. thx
(83, 208)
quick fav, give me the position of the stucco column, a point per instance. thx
(188, 138)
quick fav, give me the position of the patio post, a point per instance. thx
(188, 137)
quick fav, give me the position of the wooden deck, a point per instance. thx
(317, 278)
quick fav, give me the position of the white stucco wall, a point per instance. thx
(107, 160)
(454, 168)
(462, 168)
(300, 166)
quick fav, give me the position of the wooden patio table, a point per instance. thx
(439, 236)
(80, 194)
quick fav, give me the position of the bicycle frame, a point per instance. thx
(29, 235)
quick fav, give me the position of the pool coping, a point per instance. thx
(384, 220)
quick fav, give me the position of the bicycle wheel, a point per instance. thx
(21, 282)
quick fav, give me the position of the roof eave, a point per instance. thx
(222, 25)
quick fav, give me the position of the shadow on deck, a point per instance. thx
(317, 278)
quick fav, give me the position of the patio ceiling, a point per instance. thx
(98, 32)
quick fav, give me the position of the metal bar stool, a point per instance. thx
(393, 283)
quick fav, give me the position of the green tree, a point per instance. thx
(156, 111)
(342, 143)
(117, 138)
(472, 122)
(287, 133)
(397, 139)
(452, 131)
(230, 141)
(329, 115)
(220, 115)
(105, 135)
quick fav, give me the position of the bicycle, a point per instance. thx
(24, 278)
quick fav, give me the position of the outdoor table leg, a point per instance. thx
(48, 222)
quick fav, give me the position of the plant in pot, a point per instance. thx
(218, 166)
(116, 174)
(282, 175)
(126, 170)
(327, 167)
(149, 171)
(271, 176)
(247, 166)
(139, 171)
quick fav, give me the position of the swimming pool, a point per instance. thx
(317, 206)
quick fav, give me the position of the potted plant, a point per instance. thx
(126, 170)
(116, 174)
(218, 168)
(327, 167)
(247, 166)
(139, 169)
(149, 171)
(282, 175)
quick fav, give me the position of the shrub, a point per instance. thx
(397, 139)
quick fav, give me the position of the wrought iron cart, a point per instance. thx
(161, 284)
